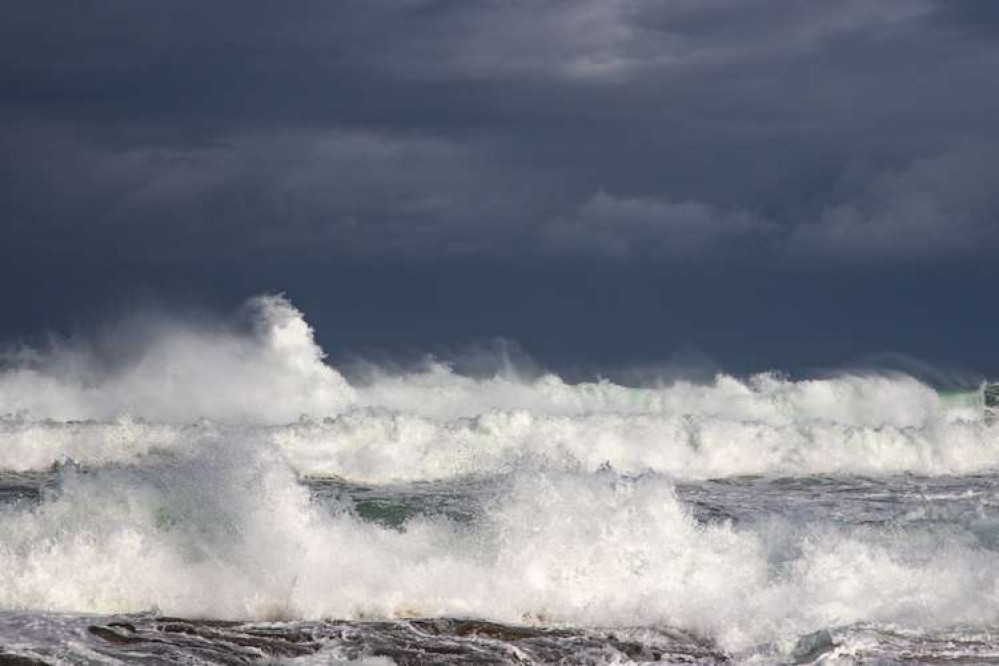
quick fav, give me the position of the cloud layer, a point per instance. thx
(612, 130)
(772, 181)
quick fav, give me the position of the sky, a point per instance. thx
(745, 184)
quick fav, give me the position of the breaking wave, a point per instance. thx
(230, 532)
(191, 474)
(271, 380)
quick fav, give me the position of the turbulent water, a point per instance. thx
(206, 493)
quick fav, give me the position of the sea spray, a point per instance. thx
(232, 472)
(230, 533)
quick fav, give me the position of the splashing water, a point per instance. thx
(227, 473)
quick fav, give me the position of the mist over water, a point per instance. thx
(231, 471)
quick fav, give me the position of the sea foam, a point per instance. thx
(271, 380)
(183, 486)
(230, 532)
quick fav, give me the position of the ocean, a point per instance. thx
(215, 493)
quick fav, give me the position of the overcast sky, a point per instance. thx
(767, 183)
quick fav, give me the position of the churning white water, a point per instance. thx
(233, 473)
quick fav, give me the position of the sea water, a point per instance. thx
(223, 494)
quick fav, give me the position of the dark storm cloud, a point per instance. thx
(622, 228)
(601, 128)
(776, 182)
(944, 205)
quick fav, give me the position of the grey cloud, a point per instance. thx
(425, 128)
(422, 171)
(936, 207)
(336, 192)
(607, 41)
(359, 192)
(621, 228)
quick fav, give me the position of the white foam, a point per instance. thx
(28, 445)
(376, 446)
(276, 372)
(230, 533)
(873, 400)
(188, 501)
(272, 379)
(183, 372)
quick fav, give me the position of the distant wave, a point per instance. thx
(271, 380)
(378, 447)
